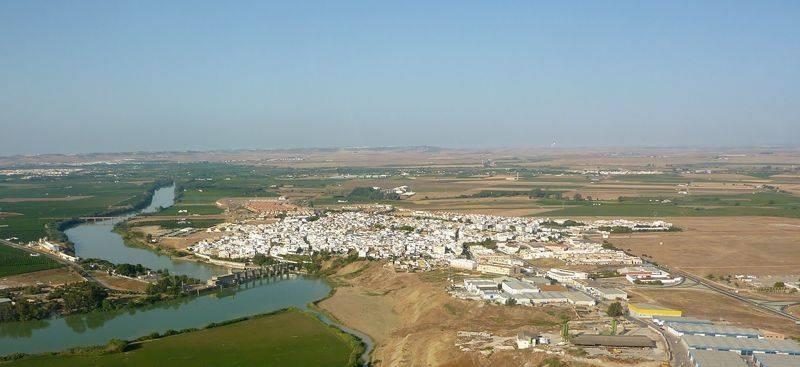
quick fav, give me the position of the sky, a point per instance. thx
(116, 76)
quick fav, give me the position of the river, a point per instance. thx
(97, 240)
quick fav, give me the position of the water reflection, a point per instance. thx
(21, 330)
(189, 312)
(98, 240)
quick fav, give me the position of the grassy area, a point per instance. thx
(15, 261)
(286, 339)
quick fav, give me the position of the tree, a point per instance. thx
(615, 310)
(511, 302)
(83, 296)
(608, 245)
(780, 285)
(261, 260)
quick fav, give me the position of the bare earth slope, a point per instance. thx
(414, 322)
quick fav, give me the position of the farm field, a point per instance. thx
(284, 339)
(37, 205)
(713, 306)
(50, 277)
(15, 261)
(721, 245)
(194, 222)
(767, 204)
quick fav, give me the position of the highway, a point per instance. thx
(722, 290)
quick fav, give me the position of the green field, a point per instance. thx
(15, 261)
(73, 196)
(286, 339)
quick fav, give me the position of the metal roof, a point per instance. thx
(568, 295)
(743, 344)
(713, 329)
(546, 295)
(606, 290)
(518, 285)
(481, 282)
(711, 358)
(639, 341)
(777, 360)
(682, 320)
(578, 297)
(649, 306)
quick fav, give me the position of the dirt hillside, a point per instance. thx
(414, 322)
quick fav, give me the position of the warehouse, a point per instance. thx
(662, 320)
(629, 341)
(572, 297)
(608, 293)
(776, 360)
(478, 286)
(516, 287)
(646, 310)
(744, 346)
(681, 329)
(711, 358)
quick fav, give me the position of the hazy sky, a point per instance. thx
(87, 76)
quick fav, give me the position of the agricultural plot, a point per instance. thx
(766, 204)
(14, 261)
(284, 339)
(176, 224)
(41, 203)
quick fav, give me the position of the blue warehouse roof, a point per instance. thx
(708, 329)
(746, 345)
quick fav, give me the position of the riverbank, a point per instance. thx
(57, 230)
(259, 296)
(257, 340)
(98, 240)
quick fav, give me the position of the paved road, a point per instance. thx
(724, 291)
(678, 355)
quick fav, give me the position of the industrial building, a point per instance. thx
(608, 293)
(663, 320)
(476, 286)
(516, 287)
(566, 276)
(537, 281)
(527, 339)
(646, 310)
(711, 358)
(744, 346)
(681, 329)
(776, 360)
(620, 341)
(540, 298)
(497, 269)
